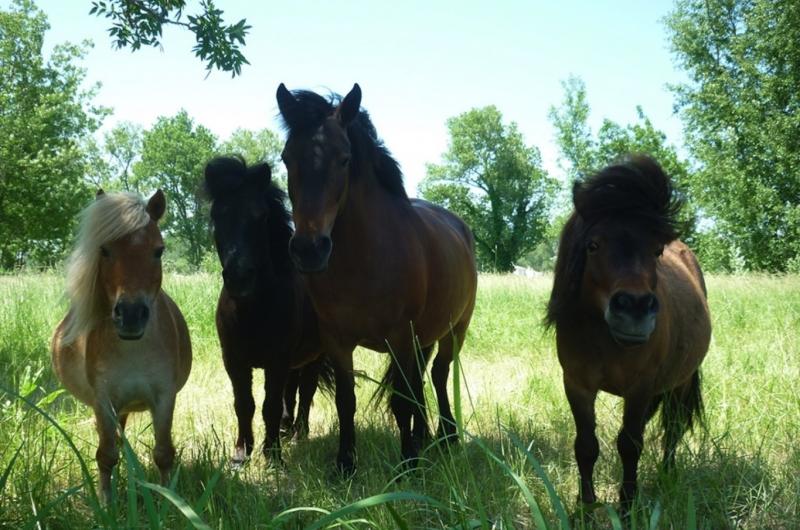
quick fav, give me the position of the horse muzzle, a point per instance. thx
(310, 254)
(130, 318)
(631, 318)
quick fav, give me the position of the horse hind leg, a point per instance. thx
(681, 406)
(289, 402)
(407, 401)
(307, 382)
(449, 346)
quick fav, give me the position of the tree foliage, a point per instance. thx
(741, 112)
(174, 153)
(137, 23)
(257, 146)
(44, 114)
(584, 153)
(495, 183)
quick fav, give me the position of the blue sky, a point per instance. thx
(418, 63)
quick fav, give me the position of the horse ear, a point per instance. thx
(287, 103)
(157, 205)
(99, 193)
(348, 108)
(260, 174)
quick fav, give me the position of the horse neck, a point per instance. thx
(367, 206)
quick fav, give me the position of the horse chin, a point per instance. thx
(311, 267)
(130, 335)
(627, 340)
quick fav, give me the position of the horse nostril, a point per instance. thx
(144, 313)
(651, 303)
(324, 244)
(621, 302)
(117, 312)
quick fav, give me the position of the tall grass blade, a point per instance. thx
(536, 511)
(369, 502)
(7, 470)
(555, 500)
(180, 503)
(94, 502)
(138, 475)
(655, 516)
(616, 522)
(691, 513)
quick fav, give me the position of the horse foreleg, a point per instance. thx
(107, 454)
(638, 410)
(346, 410)
(274, 381)
(163, 450)
(245, 407)
(407, 402)
(587, 449)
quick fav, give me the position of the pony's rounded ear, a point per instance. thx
(157, 205)
(260, 173)
(287, 103)
(347, 110)
(99, 193)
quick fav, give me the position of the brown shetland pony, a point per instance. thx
(382, 269)
(629, 307)
(124, 345)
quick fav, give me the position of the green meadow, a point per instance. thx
(513, 469)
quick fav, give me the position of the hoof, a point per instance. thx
(345, 466)
(240, 457)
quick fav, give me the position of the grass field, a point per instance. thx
(743, 471)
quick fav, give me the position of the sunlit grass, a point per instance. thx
(743, 471)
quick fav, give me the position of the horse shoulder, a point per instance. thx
(69, 364)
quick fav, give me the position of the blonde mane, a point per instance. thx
(110, 217)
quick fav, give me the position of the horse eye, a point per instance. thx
(159, 251)
(592, 246)
(104, 252)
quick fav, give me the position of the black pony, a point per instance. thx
(264, 317)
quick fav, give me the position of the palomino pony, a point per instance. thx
(383, 271)
(124, 345)
(629, 307)
(264, 316)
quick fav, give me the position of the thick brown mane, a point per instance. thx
(637, 192)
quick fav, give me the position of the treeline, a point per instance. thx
(740, 178)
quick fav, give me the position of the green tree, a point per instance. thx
(45, 111)
(257, 146)
(741, 113)
(138, 23)
(123, 146)
(584, 153)
(495, 183)
(174, 152)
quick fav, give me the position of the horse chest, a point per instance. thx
(131, 379)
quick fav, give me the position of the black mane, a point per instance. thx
(367, 149)
(225, 175)
(636, 191)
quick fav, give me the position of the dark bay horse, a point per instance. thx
(124, 345)
(264, 316)
(383, 270)
(630, 312)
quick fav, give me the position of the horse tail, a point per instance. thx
(385, 385)
(326, 375)
(681, 409)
